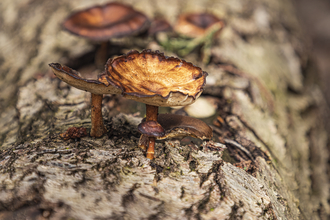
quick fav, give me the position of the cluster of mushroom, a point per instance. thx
(148, 77)
(113, 20)
(102, 22)
(151, 78)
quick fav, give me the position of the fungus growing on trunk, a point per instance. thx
(156, 80)
(148, 77)
(102, 22)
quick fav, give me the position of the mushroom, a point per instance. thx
(96, 87)
(195, 25)
(148, 77)
(156, 80)
(176, 126)
(100, 23)
(203, 28)
(149, 130)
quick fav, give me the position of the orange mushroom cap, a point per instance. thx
(107, 21)
(152, 78)
(148, 77)
(197, 24)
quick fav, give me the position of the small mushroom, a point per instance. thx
(179, 126)
(197, 24)
(102, 22)
(156, 80)
(150, 130)
(96, 87)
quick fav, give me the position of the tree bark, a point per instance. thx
(271, 117)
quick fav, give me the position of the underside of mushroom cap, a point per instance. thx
(107, 21)
(73, 78)
(152, 78)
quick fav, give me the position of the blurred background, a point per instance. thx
(315, 19)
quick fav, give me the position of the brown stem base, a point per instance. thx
(98, 128)
(151, 115)
(151, 148)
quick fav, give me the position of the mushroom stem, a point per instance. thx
(151, 112)
(151, 115)
(101, 55)
(151, 148)
(98, 128)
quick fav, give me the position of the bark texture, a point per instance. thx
(270, 119)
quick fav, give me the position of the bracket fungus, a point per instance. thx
(102, 22)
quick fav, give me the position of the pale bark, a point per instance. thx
(260, 76)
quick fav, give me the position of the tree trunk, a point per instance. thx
(270, 118)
